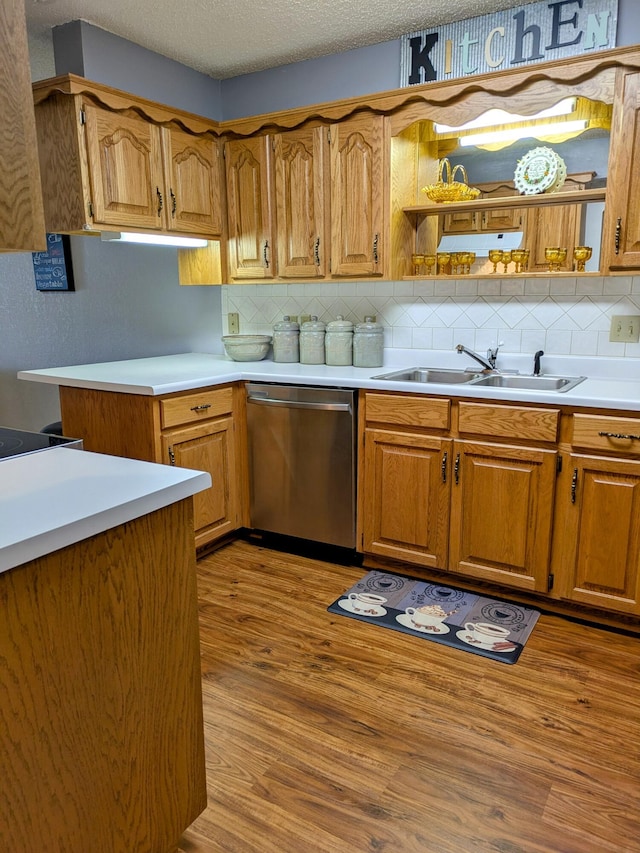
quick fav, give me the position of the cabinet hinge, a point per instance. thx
(329, 135)
(558, 464)
(90, 206)
(172, 458)
(83, 117)
(550, 583)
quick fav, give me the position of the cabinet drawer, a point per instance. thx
(430, 412)
(508, 421)
(200, 406)
(601, 432)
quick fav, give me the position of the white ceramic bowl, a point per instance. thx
(246, 347)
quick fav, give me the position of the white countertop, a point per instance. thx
(611, 382)
(59, 496)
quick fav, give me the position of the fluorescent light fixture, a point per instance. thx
(561, 128)
(499, 117)
(152, 239)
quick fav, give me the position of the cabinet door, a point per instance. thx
(208, 447)
(125, 169)
(193, 183)
(359, 191)
(621, 232)
(601, 536)
(406, 497)
(501, 513)
(21, 211)
(249, 210)
(552, 226)
(301, 166)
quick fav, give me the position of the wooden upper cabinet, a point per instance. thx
(22, 226)
(359, 196)
(193, 169)
(112, 162)
(249, 208)
(125, 169)
(301, 167)
(621, 232)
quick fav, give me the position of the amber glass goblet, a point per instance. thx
(443, 259)
(518, 256)
(581, 255)
(495, 256)
(506, 259)
(429, 262)
(417, 261)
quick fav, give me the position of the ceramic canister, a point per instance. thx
(312, 342)
(368, 344)
(338, 342)
(286, 340)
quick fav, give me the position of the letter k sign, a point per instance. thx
(420, 58)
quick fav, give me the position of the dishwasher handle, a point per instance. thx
(296, 404)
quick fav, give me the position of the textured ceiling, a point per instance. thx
(224, 38)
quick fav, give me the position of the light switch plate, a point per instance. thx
(625, 328)
(233, 323)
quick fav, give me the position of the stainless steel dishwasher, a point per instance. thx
(302, 462)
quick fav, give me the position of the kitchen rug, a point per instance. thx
(491, 627)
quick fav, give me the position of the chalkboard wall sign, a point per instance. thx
(53, 268)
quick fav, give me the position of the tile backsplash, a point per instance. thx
(562, 316)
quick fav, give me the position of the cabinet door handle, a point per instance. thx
(629, 435)
(201, 408)
(174, 203)
(443, 467)
(316, 252)
(375, 249)
(574, 485)
(618, 234)
(456, 469)
(172, 457)
(160, 200)
(265, 253)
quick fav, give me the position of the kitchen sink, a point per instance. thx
(529, 383)
(445, 375)
(450, 376)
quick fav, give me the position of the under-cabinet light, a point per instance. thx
(557, 129)
(152, 239)
(495, 117)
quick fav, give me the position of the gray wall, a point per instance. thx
(127, 302)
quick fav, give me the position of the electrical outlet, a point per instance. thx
(305, 318)
(233, 322)
(625, 328)
(293, 318)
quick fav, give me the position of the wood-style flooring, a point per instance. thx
(328, 735)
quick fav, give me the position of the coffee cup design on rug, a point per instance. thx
(367, 603)
(428, 616)
(486, 633)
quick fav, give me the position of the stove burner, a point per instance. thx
(17, 442)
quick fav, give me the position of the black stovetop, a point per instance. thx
(16, 442)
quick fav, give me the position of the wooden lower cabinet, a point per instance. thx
(599, 538)
(406, 497)
(505, 494)
(502, 513)
(208, 447)
(202, 430)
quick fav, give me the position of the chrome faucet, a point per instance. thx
(488, 363)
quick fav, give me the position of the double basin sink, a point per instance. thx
(451, 376)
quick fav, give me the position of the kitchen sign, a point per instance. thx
(52, 269)
(537, 32)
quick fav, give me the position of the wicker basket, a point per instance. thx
(448, 189)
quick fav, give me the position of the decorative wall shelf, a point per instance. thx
(508, 202)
